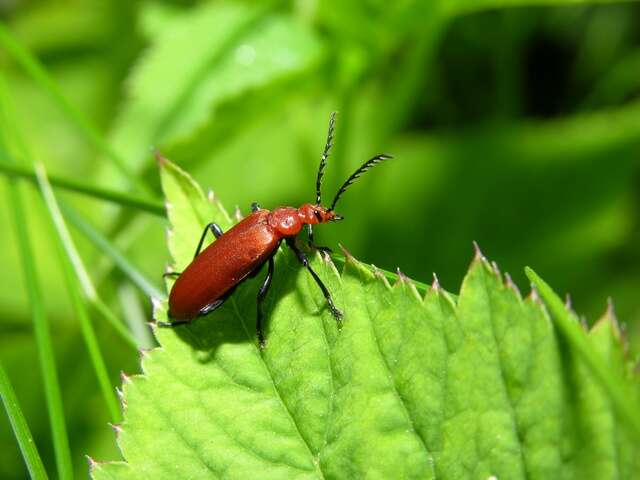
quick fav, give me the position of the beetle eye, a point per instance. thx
(318, 216)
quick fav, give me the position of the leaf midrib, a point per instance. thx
(275, 389)
(496, 349)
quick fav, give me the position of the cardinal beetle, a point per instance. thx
(241, 252)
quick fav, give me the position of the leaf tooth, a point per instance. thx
(568, 303)
(435, 285)
(380, 276)
(117, 428)
(143, 353)
(92, 463)
(237, 214)
(403, 280)
(510, 284)
(478, 253)
(583, 322)
(534, 296)
(496, 269)
(611, 312)
(347, 254)
(126, 379)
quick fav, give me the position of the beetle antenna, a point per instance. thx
(354, 176)
(325, 156)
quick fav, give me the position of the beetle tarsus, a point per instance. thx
(172, 324)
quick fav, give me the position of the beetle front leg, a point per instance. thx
(215, 229)
(312, 244)
(337, 314)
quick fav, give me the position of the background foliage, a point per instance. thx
(514, 123)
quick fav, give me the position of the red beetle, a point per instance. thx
(241, 252)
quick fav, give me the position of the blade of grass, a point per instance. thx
(119, 198)
(76, 280)
(39, 74)
(100, 241)
(575, 336)
(20, 428)
(88, 288)
(135, 315)
(46, 357)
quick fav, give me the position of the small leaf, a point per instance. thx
(172, 94)
(477, 386)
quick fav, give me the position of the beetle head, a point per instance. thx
(314, 214)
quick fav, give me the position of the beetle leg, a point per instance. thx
(337, 314)
(255, 207)
(311, 243)
(215, 229)
(207, 309)
(261, 294)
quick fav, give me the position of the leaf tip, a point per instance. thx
(160, 159)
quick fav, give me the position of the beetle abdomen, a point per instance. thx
(222, 265)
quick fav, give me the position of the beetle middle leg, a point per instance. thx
(215, 229)
(337, 314)
(264, 288)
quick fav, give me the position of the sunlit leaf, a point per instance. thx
(480, 386)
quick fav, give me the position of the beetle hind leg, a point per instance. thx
(215, 229)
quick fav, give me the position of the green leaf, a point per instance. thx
(233, 50)
(477, 386)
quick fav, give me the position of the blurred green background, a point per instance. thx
(513, 123)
